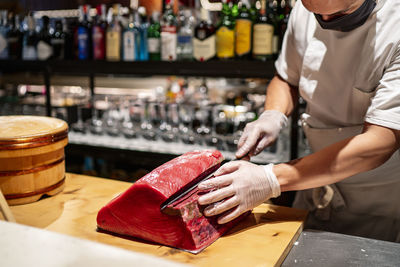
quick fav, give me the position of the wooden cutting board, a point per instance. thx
(263, 239)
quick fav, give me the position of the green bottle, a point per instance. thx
(225, 36)
(154, 37)
(263, 33)
(235, 9)
(253, 10)
(243, 29)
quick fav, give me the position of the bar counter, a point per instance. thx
(263, 239)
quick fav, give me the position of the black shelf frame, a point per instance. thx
(90, 68)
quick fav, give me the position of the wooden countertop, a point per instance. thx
(263, 239)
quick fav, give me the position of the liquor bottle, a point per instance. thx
(99, 33)
(168, 33)
(3, 35)
(129, 36)
(154, 37)
(243, 29)
(44, 48)
(58, 40)
(113, 39)
(84, 33)
(253, 11)
(276, 17)
(14, 38)
(225, 36)
(30, 40)
(235, 9)
(263, 31)
(184, 48)
(68, 29)
(287, 8)
(204, 38)
(143, 26)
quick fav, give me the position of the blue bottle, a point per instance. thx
(83, 33)
(142, 26)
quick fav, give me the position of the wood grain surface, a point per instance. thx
(263, 239)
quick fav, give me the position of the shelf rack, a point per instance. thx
(227, 69)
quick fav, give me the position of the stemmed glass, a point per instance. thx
(169, 127)
(112, 117)
(79, 126)
(132, 116)
(151, 120)
(96, 123)
(186, 118)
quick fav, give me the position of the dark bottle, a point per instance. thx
(204, 38)
(253, 11)
(69, 49)
(58, 40)
(169, 33)
(30, 40)
(84, 33)
(225, 36)
(99, 33)
(243, 34)
(3, 35)
(287, 8)
(263, 32)
(14, 38)
(44, 48)
(154, 37)
(275, 12)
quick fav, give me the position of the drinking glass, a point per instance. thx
(186, 118)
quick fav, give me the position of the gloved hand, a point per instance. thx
(239, 186)
(260, 133)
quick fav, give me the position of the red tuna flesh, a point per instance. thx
(136, 212)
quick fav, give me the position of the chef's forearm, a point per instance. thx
(281, 96)
(336, 162)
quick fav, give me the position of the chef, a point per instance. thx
(343, 58)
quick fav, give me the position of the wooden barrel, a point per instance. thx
(31, 157)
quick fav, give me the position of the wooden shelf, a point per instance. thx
(228, 69)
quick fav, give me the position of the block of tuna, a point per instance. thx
(136, 212)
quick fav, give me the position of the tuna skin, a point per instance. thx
(136, 212)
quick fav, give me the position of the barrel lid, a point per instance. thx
(18, 132)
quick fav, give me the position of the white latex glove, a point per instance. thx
(260, 133)
(239, 186)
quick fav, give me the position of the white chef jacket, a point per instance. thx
(348, 78)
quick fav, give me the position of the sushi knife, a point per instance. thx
(185, 190)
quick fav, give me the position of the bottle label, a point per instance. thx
(44, 50)
(113, 45)
(153, 45)
(29, 53)
(98, 42)
(204, 49)
(3, 47)
(225, 42)
(275, 44)
(243, 36)
(129, 46)
(168, 43)
(262, 39)
(184, 39)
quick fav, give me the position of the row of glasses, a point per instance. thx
(218, 126)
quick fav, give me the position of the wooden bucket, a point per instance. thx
(31, 157)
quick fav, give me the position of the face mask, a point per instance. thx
(350, 21)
